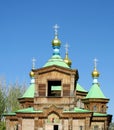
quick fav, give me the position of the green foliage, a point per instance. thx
(2, 102)
(9, 95)
(14, 92)
(2, 126)
(2, 98)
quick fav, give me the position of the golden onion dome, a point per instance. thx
(31, 74)
(95, 73)
(56, 42)
(67, 60)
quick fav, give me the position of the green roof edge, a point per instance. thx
(77, 110)
(80, 88)
(95, 92)
(99, 114)
(28, 110)
(9, 114)
(29, 93)
(56, 60)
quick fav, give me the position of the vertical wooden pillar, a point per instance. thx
(20, 124)
(70, 124)
(106, 125)
(87, 123)
(62, 123)
(36, 123)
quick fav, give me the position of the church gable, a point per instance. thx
(54, 81)
(55, 68)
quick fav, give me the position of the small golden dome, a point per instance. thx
(95, 73)
(56, 42)
(67, 60)
(31, 74)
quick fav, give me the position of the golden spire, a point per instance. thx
(56, 41)
(66, 59)
(95, 73)
(31, 74)
(33, 67)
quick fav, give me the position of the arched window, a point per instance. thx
(95, 108)
(102, 108)
(87, 107)
(53, 118)
(78, 103)
(82, 105)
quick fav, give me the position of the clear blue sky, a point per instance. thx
(86, 25)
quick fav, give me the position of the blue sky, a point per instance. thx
(26, 31)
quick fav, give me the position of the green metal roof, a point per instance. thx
(54, 88)
(56, 60)
(95, 92)
(28, 110)
(80, 110)
(9, 114)
(77, 110)
(80, 88)
(29, 92)
(99, 114)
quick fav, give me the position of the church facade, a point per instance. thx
(56, 101)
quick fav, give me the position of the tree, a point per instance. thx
(2, 125)
(14, 92)
(2, 103)
(111, 126)
(2, 96)
(9, 95)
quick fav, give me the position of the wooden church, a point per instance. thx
(56, 101)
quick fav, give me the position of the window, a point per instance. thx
(82, 105)
(87, 107)
(81, 127)
(54, 88)
(95, 108)
(78, 103)
(96, 127)
(16, 127)
(102, 108)
(53, 118)
(55, 127)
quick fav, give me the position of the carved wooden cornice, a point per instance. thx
(56, 68)
(97, 100)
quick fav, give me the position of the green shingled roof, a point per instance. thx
(80, 88)
(29, 92)
(28, 110)
(56, 60)
(95, 92)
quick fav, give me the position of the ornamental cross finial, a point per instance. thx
(33, 63)
(56, 27)
(66, 47)
(95, 63)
